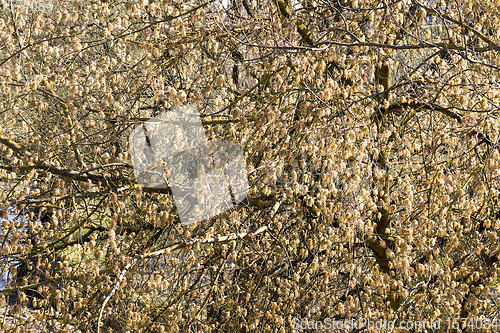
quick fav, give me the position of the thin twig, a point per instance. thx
(244, 235)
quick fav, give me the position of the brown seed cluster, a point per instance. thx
(370, 136)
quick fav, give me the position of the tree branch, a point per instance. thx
(181, 245)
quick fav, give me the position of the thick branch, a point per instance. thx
(417, 106)
(380, 253)
(63, 172)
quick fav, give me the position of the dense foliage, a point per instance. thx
(370, 131)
